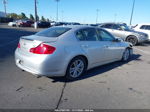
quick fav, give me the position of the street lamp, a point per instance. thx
(97, 11)
(35, 6)
(5, 2)
(132, 12)
(57, 10)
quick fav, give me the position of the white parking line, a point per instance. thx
(143, 51)
(8, 43)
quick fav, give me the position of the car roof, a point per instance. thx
(112, 23)
(144, 24)
(76, 26)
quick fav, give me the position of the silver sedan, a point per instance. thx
(69, 51)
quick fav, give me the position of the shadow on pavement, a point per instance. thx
(98, 70)
(145, 44)
(9, 39)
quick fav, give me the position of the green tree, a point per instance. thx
(12, 15)
(31, 17)
(43, 19)
(22, 16)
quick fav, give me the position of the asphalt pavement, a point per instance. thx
(113, 86)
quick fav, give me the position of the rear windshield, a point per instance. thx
(53, 32)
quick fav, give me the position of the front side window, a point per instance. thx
(104, 36)
(88, 34)
(124, 27)
(53, 32)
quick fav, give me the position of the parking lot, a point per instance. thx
(114, 86)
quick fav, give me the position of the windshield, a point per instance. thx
(53, 32)
(125, 27)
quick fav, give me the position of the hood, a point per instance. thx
(137, 32)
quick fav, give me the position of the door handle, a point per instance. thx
(85, 46)
(106, 46)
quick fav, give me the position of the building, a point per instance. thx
(2, 14)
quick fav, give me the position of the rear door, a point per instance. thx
(90, 44)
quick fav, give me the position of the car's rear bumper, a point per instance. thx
(39, 66)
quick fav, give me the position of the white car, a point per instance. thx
(145, 28)
(12, 24)
(69, 51)
(124, 32)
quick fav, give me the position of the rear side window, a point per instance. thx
(88, 34)
(53, 32)
(109, 26)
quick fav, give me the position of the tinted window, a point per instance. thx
(142, 27)
(104, 36)
(146, 27)
(124, 27)
(107, 26)
(53, 32)
(116, 27)
(88, 34)
(80, 35)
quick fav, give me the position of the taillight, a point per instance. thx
(43, 49)
(18, 45)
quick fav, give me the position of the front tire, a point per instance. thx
(126, 55)
(132, 39)
(76, 68)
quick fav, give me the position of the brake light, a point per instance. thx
(18, 45)
(43, 49)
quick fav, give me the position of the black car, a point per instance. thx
(43, 24)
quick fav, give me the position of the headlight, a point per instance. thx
(143, 35)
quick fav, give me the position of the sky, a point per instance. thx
(84, 11)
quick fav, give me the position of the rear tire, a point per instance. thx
(76, 68)
(132, 39)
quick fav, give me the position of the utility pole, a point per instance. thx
(57, 10)
(132, 12)
(5, 2)
(97, 11)
(35, 6)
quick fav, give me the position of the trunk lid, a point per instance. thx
(28, 42)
